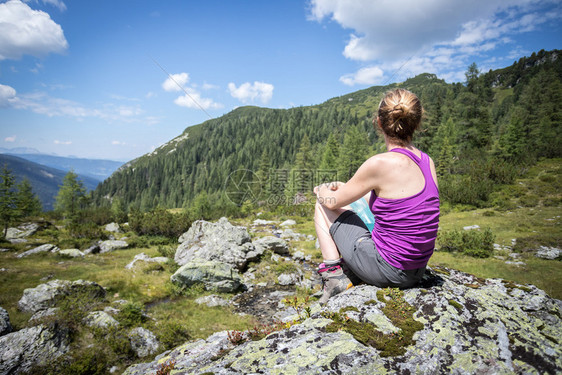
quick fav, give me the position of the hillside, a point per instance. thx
(44, 180)
(478, 134)
(96, 169)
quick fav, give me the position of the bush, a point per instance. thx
(131, 314)
(476, 243)
(159, 222)
(172, 334)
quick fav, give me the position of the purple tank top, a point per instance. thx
(406, 228)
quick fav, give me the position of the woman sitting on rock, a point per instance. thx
(401, 188)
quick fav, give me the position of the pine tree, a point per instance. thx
(28, 204)
(352, 154)
(71, 196)
(8, 199)
(331, 154)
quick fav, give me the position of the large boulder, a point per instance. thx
(452, 323)
(220, 241)
(112, 245)
(5, 326)
(28, 347)
(215, 276)
(46, 295)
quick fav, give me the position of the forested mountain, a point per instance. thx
(45, 181)
(479, 133)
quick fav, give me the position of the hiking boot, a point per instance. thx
(350, 274)
(334, 281)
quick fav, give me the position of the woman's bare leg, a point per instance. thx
(323, 220)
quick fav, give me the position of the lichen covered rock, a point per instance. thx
(452, 323)
(5, 326)
(220, 241)
(46, 295)
(28, 347)
(215, 276)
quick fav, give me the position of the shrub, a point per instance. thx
(476, 243)
(159, 222)
(131, 314)
(172, 334)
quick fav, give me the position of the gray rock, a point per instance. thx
(288, 223)
(211, 301)
(272, 243)
(42, 314)
(220, 241)
(143, 342)
(288, 279)
(142, 257)
(5, 326)
(258, 222)
(45, 295)
(72, 253)
(112, 245)
(22, 231)
(40, 249)
(470, 227)
(469, 326)
(550, 253)
(94, 249)
(113, 227)
(291, 235)
(28, 347)
(215, 276)
(100, 319)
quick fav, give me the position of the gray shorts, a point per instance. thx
(358, 250)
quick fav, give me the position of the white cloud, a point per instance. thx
(176, 82)
(248, 92)
(7, 94)
(118, 143)
(391, 33)
(364, 76)
(56, 3)
(11, 139)
(193, 99)
(57, 142)
(24, 31)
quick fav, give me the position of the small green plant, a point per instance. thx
(171, 334)
(236, 337)
(301, 305)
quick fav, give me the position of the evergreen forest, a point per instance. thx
(481, 133)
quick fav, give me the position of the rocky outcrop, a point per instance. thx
(29, 347)
(5, 326)
(452, 323)
(215, 276)
(220, 241)
(46, 295)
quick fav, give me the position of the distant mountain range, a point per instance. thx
(45, 181)
(96, 169)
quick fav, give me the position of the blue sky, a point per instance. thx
(84, 78)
